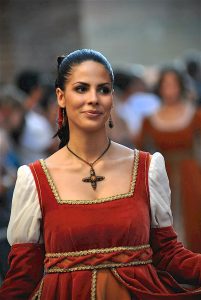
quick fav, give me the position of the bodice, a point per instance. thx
(120, 220)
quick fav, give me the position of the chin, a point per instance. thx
(93, 127)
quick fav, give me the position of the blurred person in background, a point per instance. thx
(37, 133)
(12, 120)
(120, 132)
(49, 108)
(193, 67)
(11, 124)
(135, 102)
(6, 184)
(175, 130)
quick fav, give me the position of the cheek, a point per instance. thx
(74, 102)
(108, 102)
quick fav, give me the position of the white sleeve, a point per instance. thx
(25, 219)
(160, 194)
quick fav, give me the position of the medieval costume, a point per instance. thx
(113, 248)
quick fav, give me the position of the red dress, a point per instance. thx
(184, 172)
(102, 249)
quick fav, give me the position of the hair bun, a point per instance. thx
(60, 59)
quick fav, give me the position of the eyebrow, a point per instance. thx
(84, 83)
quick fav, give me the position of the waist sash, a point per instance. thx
(93, 259)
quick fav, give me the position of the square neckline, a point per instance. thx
(130, 193)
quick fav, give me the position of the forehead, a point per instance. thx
(171, 76)
(89, 71)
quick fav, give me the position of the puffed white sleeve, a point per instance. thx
(25, 219)
(160, 194)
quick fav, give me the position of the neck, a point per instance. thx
(172, 104)
(88, 146)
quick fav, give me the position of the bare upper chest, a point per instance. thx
(67, 180)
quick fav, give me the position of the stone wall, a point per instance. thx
(34, 33)
(142, 31)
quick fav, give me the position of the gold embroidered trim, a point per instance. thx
(101, 266)
(93, 285)
(37, 295)
(97, 251)
(99, 200)
(114, 271)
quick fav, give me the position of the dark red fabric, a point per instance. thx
(170, 255)
(121, 222)
(191, 202)
(80, 227)
(26, 270)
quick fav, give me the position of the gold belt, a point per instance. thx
(94, 259)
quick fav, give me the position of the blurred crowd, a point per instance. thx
(28, 113)
(155, 109)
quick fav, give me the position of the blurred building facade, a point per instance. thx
(142, 31)
(34, 33)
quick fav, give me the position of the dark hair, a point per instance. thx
(125, 82)
(122, 80)
(179, 75)
(28, 80)
(64, 69)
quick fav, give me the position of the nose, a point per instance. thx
(93, 97)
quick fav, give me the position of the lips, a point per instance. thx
(95, 112)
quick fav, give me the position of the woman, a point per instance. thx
(175, 131)
(90, 223)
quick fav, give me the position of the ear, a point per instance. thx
(60, 97)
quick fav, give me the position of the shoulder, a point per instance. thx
(25, 183)
(120, 151)
(57, 157)
(25, 213)
(157, 158)
(160, 194)
(24, 173)
(158, 178)
(157, 164)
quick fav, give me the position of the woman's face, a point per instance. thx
(170, 90)
(87, 96)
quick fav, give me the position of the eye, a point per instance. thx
(105, 90)
(81, 89)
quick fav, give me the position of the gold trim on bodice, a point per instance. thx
(99, 200)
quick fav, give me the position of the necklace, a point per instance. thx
(93, 178)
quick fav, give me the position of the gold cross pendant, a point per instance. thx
(93, 179)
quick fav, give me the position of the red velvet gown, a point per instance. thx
(184, 172)
(102, 249)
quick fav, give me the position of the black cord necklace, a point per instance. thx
(93, 178)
